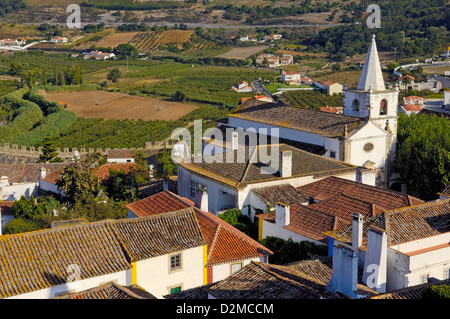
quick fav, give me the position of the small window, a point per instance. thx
(383, 107)
(175, 262)
(175, 289)
(332, 154)
(355, 105)
(446, 273)
(424, 278)
(235, 267)
(368, 147)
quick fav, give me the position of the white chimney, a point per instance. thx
(357, 231)
(375, 264)
(42, 173)
(234, 141)
(286, 164)
(345, 272)
(282, 214)
(201, 200)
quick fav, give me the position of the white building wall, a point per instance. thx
(122, 278)
(15, 191)
(154, 274)
(275, 230)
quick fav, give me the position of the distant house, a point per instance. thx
(244, 38)
(333, 109)
(291, 77)
(332, 88)
(409, 109)
(286, 59)
(264, 98)
(59, 40)
(98, 55)
(9, 42)
(413, 100)
(277, 36)
(242, 87)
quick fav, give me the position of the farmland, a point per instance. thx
(118, 106)
(243, 53)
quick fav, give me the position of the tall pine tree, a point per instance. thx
(49, 154)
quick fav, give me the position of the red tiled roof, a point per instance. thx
(331, 186)
(103, 171)
(412, 107)
(328, 83)
(225, 242)
(5, 207)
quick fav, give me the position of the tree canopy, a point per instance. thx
(423, 154)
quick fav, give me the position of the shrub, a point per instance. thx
(436, 292)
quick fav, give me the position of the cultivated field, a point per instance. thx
(109, 105)
(114, 39)
(243, 53)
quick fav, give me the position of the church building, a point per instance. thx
(364, 135)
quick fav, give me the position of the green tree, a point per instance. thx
(20, 225)
(125, 50)
(79, 179)
(24, 208)
(14, 68)
(165, 166)
(179, 96)
(423, 154)
(436, 292)
(49, 154)
(114, 75)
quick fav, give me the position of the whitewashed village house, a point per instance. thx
(228, 250)
(162, 254)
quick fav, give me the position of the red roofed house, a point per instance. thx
(413, 100)
(409, 109)
(332, 88)
(332, 202)
(333, 109)
(291, 77)
(228, 249)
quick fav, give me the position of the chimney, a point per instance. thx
(282, 214)
(201, 200)
(345, 272)
(357, 231)
(375, 264)
(165, 184)
(234, 141)
(42, 173)
(286, 164)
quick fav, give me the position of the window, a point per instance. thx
(424, 278)
(175, 289)
(332, 154)
(175, 262)
(383, 107)
(446, 273)
(368, 147)
(355, 105)
(235, 267)
(196, 186)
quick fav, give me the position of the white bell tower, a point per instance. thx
(371, 100)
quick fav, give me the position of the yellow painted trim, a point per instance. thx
(134, 273)
(205, 269)
(260, 229)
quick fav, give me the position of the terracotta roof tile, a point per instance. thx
(17, 173)
(284, 193)
(249, 168)
(225, 243)
(37, 260)
(110, 291)
(405, 224)
(323, 123)
(414, 292)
